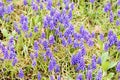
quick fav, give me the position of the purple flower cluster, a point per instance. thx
(112, 40)
(21, 73)
(6, 9)
(9, 52)
(118, 67)
(1, 9)
(57, 29)
(107, 7)
(24, 23)
(79, 77)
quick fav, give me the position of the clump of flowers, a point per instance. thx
(45, 44)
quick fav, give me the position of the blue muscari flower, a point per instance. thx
(57, 68)
(21, 73)
(67, 32)
(79, 77)
(92, 35)
(70, 14)
(90, 43)
(2, 11)
(93, 64)
(25, 2)
(106, 47)
(81, 29)
(36, 47)
(66, 22)
(4, 51)
(15, 60)
(51, 40)
(52, 64)
(99, 75)
(60, 35)
(81, 45)
(34, 63)
(92, 1)
(36, 29)
(69, 40)
(57, 30)
(30, 35)
(16, 28)
(111, 16)
(75, 59)
(48, 18)
(12, 55)
(112, 38)
(36, 54)
(39, 76)
(52, 26)
(43, 35)
(45, 44)
(85, 34)
(45, 23)
(101, 37)
(83, 51)
(6, 55)
(51, 78)
(118, 13)
(81, 64)
(107, 7)
(24, 23)
(34, 6)
(75, 44)
(67, 6)
(57, 15)
(117, 22)
(89, 75)
(59, 77)
(64, 42)
(72, 6)
(41, 6)
(118, 67)
(9, 9)
(71, 27)
(99, 60)
(52, 12)
(11, 41)
(49, 53)
(11, 48)
(23, 18)
(118, 2)
(49, 4)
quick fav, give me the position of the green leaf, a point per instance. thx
(37, 19)
(104, 57)
(118, 37)
(5, 32)
(112, 64)
(14, 33)
(110, 75)
(105, 65)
